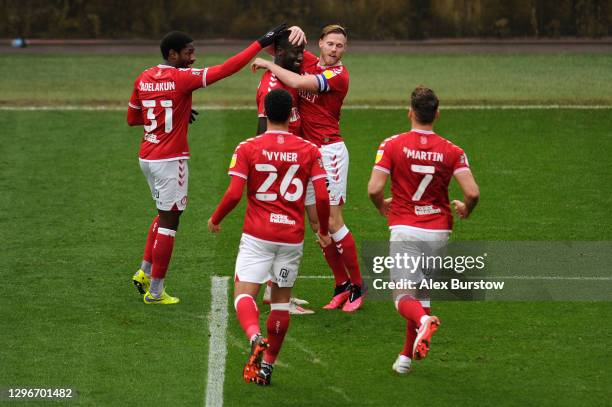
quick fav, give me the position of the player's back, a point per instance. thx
(421, 165)
(164, 94)
(279, 165)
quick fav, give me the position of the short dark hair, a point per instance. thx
(282, 40)
(424, 104)
(278, 104)
(175, 40)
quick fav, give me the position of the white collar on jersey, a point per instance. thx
(339, 63)
(164, 66)
(422, 131)
(277, 132)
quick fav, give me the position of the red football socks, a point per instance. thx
(277, 326)
(345, 245)
(334, 260)
(148, 251)
(162, 252)
(411, 334)
(248, 314)
(410, 309)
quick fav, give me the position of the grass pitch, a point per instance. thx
(76, 210)
(375, 79)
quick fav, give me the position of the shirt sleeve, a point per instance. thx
(317, 170)
(333, 79)
(261, 95)
(461, 163)
(239, 165)
(190, 79)
(309, 59)
(383, 160)
(134, 102)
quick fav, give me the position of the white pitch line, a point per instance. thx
(560, 278)
(217, 349)
(348, 107)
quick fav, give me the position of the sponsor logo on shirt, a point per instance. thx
(310, 97)
(282, 219)
(379, 156)
(426, 210)
(151, 138)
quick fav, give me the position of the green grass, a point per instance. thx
(76, 210)
(375, 79)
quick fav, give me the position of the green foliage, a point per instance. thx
(365, 19)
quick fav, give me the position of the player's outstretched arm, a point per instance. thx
(238, 61)
(322, 204)
(308, 83)
(228, 203)
(134, 117)
(471, 194)
(376, 191)
(134, 112)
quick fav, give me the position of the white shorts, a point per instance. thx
(415, 243)
(259, 261)
(336, 162)
(168, 181)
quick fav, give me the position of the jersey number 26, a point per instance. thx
(264, 195)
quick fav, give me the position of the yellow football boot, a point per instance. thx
(163, 299)
(141, 281)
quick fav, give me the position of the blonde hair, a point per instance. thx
(333, 29)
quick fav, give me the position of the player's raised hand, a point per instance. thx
(460, 209)
(260, 63)
(268, 38)
(297, 36)
(192, 118)
(212, 227)
(384, 209)
(324, 240)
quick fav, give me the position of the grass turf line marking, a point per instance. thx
(348, 107)
(217, 349)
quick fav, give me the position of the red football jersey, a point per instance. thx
(277, 166)
(163, 94)
(268, 83)
(421, 165)
(320, 112)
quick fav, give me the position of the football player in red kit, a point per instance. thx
(322, 85)
(161, 102)
(275, 167)
(421, 165)
(289, 56)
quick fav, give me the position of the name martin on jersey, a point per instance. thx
(156, 86)
(423, 155)
(280, 156)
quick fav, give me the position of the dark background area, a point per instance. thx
(365, 19)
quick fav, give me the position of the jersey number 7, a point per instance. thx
(428, 170)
